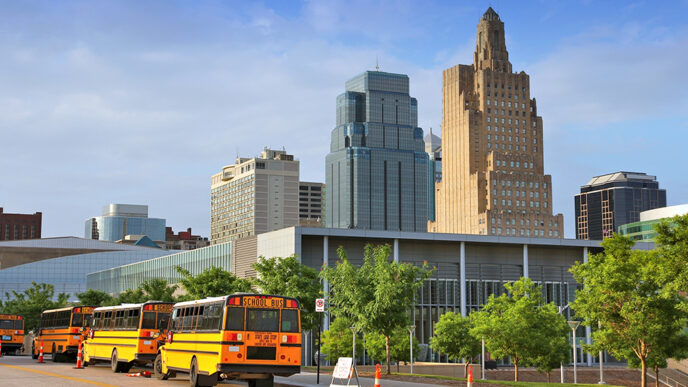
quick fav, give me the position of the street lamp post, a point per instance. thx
(599, 325)
(411, 329)
(482, 358)
(561, 365)
(574, 325)
(354, 330)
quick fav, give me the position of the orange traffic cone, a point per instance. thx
(134, 374)
(40, 354)
(79, 366)
(470, 376)
(377, 375)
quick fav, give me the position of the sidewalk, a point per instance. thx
(307, 379)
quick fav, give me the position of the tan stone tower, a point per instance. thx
(493, 179)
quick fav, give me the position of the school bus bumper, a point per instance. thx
(145, 356)
(247, 369)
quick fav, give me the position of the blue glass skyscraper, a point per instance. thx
(377, 168)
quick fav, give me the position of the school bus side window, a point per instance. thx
(235, 319)
(175, 319)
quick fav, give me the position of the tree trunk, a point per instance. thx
(656, 376)
(465, 370)
(389, 370)
(643, 368)
(515, 369)
(549, 377)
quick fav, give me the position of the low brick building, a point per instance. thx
(20, 226)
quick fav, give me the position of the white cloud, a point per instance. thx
(611, 81)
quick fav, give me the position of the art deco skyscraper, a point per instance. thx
(377, 168)
(493, 179)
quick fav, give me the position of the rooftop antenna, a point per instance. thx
(377, 64)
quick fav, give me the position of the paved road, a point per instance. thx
(24, 371)
(21, 371)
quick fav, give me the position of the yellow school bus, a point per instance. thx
(251, 337)
(61, 331)
(127, 334)
(11, 333)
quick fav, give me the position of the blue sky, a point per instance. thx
(141, 102)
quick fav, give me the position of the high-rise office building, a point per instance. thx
(120, 220)
(253, 196)
(377, 168)
(493, 179)
(612, 200)
(20, 226)
(433, 147)
(311, 203)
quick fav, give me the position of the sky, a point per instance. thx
(140, 102)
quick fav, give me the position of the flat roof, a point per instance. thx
(445, 237)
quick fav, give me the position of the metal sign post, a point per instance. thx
(319, 307)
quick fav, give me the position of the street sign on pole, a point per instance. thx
(319, 304)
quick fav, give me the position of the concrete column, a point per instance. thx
(326, 285)
(525, 261)
(396, 250)
(462, 269)
(588, 330)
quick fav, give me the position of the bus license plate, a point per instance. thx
(6, 338)
(233, 349)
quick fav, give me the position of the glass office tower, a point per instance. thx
(377, 166)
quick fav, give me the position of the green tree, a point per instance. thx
(131, 296)
(636, 303)
(518, 325)
(338, 340)
(672, 246)
(453, 338)
(376, 345)
(94, 297)
(32, 302)
(212, 282)
(376, 296)
(557, 349)
(289, 277)
(158, 289)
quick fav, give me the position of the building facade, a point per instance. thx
(644, 230)
(493, 177)
(433, 147)
(115, 280)
(184, 240)
(311, 204)
(20, 226)
(253, 196)
(469, 268)
(377, 168)
(63, 262)
(609, 201)
(119, 220)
